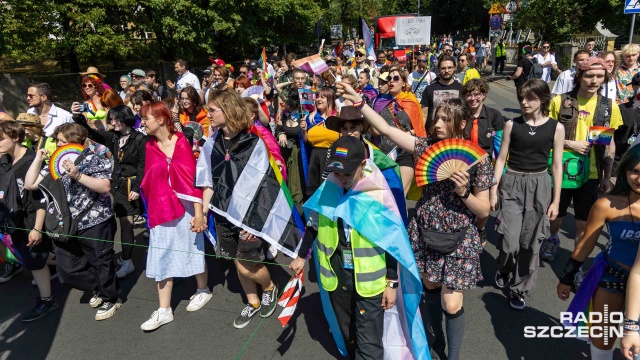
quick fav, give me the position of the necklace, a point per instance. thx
(532, 130)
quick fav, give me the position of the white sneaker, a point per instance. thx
(53, 277)
(198, 301)
(156, 320)
(272, 253)
(95, 300)
(125, 269)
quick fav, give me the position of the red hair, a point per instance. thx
(110, 98)
(243, 81)
(97, 84)
(159, 110)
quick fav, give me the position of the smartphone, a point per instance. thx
(84, 107)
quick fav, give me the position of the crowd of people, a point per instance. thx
(182, 157)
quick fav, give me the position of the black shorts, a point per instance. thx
(35, 257)
(405, 158)
(232, 247)
(583, 199)
(121, 204)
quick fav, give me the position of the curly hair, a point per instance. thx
(95, 81)
(456, 111)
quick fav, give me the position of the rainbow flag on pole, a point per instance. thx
(265, 65)
(600, 135)
(311, 64)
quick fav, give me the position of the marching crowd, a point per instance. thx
(249, 161)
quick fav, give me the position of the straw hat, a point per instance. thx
(29, 119)
(92, 70)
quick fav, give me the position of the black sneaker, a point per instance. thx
(269, 301)
(516, 300)
(245, 316)
(502, 280)
(107, 310)
(42, 308)
(10, 270)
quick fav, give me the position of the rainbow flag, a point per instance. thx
(265, 65)
(250, 192)
(600, 135)
(370, 208)
(311, 64)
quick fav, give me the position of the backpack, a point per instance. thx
(10, 199)
(58, 222)
(536, 70)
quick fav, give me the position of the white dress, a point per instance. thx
(175, 250)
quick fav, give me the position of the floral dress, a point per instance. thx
(441, 209)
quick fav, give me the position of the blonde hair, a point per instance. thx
(236, 114)
(630, 49)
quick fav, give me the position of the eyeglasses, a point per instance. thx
(359, 55)
(89, 86)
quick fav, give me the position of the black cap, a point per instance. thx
(207, 71)
(346, 155)
(253, 64)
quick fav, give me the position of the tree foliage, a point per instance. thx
(559, 20)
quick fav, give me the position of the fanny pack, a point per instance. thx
(443, 243)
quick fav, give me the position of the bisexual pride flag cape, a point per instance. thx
(249, 190)
(370, 208)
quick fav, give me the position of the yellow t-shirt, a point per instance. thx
(587, 108)
(321, 137)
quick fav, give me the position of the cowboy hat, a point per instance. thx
(347, 113)
(29, 120)
(92, 70)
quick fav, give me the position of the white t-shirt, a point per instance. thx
(564, 82)
(546, 70)
(418, 87)
(188, 79)
(57, 117)
(610, 90)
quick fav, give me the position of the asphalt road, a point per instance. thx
(493, 329)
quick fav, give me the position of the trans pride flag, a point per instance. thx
(370, 208)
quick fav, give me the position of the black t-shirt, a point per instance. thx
(526, 64)
(490, 121)
(435, 93)
(31, 200)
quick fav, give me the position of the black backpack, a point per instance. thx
(58, 222)
(536, 70)
(10, 200)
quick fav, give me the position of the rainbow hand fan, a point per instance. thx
(444, 158)
(66, 152)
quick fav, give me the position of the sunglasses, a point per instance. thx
(395, 78)
(448, 50)
(137, 76)
(546, 47)
(359, 55)
(422, 60)
(87, 86)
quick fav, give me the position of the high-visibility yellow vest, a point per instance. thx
(501, 51)
(369, 264)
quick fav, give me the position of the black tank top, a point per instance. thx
(530, 146)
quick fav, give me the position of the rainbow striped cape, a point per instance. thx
(249, 190)
(370, 208)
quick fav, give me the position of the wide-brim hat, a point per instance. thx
(347, 113)
(29, 120)
(92, 70)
